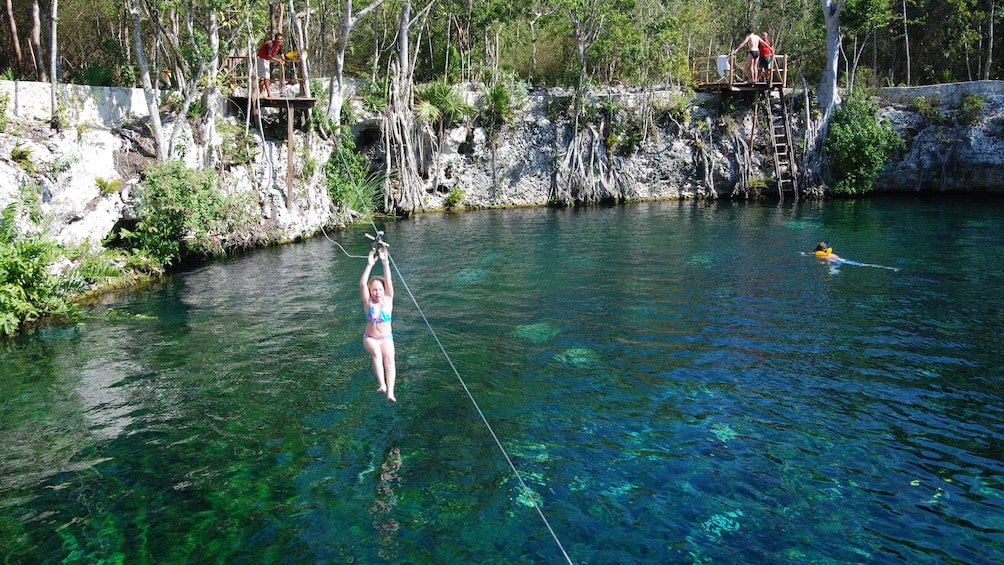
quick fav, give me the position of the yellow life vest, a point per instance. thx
(824, 253)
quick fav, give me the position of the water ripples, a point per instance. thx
(675, 383)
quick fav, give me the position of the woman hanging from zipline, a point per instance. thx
(378, 303)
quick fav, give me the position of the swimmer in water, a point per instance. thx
(825, 252)
(378, 303)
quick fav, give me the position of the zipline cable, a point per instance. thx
(377, 241)
(526, 489)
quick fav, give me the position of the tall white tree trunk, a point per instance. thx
(336, 85)
(209, 95)
(57, 122)
(829, 97)
(990, 48)
(906, 40)
(301, 45)
(152, 102)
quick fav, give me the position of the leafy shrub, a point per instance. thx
(376, 95)
(28, 289)
(94, 73)
(443, 105)
(499, 104)
(22, 156)
(558, 107)
(928, 110)
(677, 108)
(972, 108)
(181, 211)
(60, 165)
(4, 106)
(108, 186)
(237, 145)
(350, 184)
(631, 138)
(858, 145)
(453, 199)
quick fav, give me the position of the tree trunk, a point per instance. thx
(300, 74)
(152, 103)
(336, 85)
(209, 95)
(41, 73)
(18, 58)
(57, 121)
(990, 48)
(399, 125)
(829, 97)
(906, 40)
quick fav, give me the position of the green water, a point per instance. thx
(675, 383)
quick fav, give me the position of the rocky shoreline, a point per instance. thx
(86, 172)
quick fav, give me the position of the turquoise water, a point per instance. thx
(675, 383)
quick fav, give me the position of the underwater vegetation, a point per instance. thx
(536, 333)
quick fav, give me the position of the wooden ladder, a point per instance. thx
(780, 135)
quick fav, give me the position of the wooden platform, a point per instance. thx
(293, 103)
(710, 76)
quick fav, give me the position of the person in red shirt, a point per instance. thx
(766, 51)
(267, 54)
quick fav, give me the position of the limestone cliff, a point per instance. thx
(635, 144)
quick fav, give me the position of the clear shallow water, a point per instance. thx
(675, 382)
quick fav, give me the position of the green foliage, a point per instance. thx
(94, 73)
(95, 267)
(630, 139)
(971, 110)
(928, 110)
(676, 108)
(4, 105)
(442, 104)
(427, 112)
(22, 156)
(350, 184)
(29, 290)
(499, 104)
(454, 199)
(858, 145)
(195, 108)
(559, 107)
(238, 145)
(108, 186)
(181, 211)
(376, 95)
(60, 165)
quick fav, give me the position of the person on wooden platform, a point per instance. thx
(268, 53)
(753, 40)
(766, 53)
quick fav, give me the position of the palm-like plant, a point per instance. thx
(451, 106)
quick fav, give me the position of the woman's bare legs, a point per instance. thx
(372, 347)
(389, 367)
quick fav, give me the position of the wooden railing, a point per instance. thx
(726, 70)
(235, 73)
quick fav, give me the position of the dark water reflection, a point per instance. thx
(675, 383)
